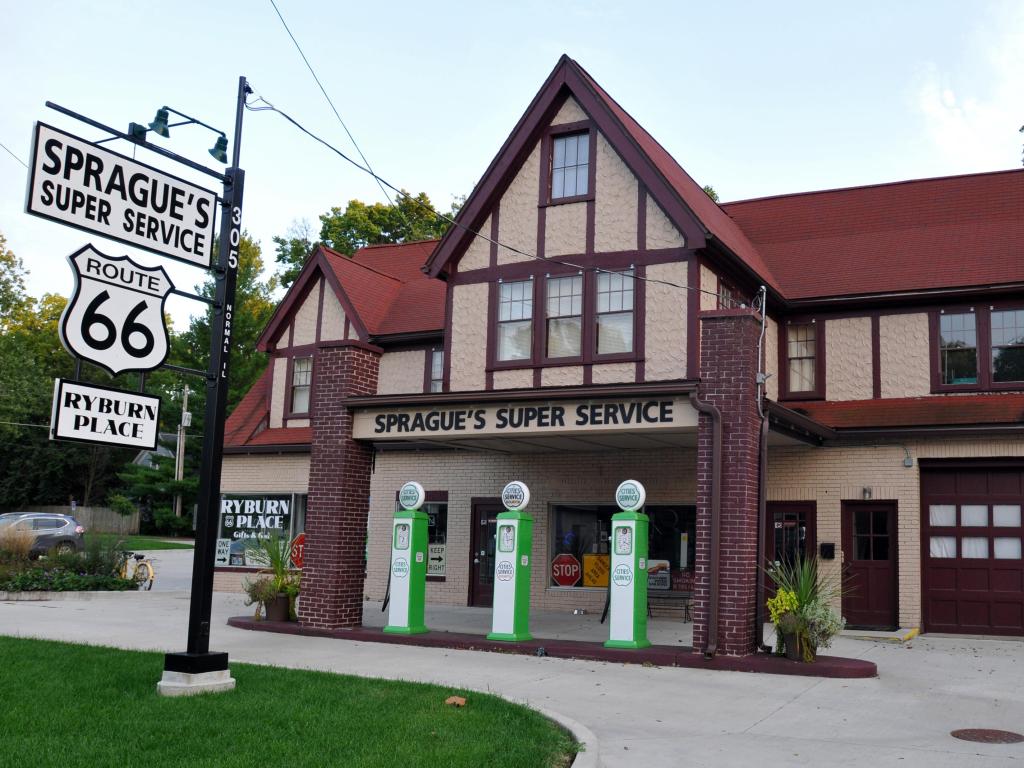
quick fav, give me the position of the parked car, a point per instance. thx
(62, 533)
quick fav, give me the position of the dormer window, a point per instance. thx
(570, 166)
(802, 358)
(302, 380)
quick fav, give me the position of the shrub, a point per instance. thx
(165, 522)
(121, 504)
(43, 579)
(260, 591)
(15, 545)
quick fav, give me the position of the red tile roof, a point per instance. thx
(940, 410)
(955, 231)
(249, 413)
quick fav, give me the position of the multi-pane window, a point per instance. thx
(570, 165)
(614, 312)
(1007, 345)
(564, 312)
(958, 348)
(436, 370)
(801, 352)
(515, 320)
(302, 378)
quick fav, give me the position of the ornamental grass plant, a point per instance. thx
(802, 605)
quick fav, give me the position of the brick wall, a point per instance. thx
(728, 369)
(339, 489)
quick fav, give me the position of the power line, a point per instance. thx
(331, 103)
(444, 217)
(14, 156)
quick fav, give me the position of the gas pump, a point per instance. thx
(408, 579)
(511, 612)
(627, 583)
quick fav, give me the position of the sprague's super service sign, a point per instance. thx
(80, 184)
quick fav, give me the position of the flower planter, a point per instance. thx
(792, 641)
(277, 609)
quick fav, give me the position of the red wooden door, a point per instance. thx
(869, 555)
(481, 555)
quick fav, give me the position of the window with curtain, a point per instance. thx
(564, 312)
(801, 353)
(570, 165)
(615, 312)
(302, 379)
(958, 348)
(515, 320)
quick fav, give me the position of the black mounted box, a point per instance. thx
(827, 551)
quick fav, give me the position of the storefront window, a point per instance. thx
(582, 532)
(437, 533)
(251, 517)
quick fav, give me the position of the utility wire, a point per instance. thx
(15, 156)
(444, 217)
(331, 103)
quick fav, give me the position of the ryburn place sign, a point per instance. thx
(115, 318)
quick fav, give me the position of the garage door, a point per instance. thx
(972, 571)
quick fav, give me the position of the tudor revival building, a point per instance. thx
(605, 331)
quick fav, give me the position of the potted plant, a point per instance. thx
(260, 591)
(283, 583)
(802, 608)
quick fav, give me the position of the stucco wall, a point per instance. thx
(332, 324)
(401, 372)
(828, 476)
(265, 473)
(517, 222)
(661, 233)
(771, 360)
(665, 328)
(478, 254)
(848, 359)
(565, 229)
(614, 373)
(669, 476)
(278, 391)
(469, 337)
(571, 112)
(305, 317)
(520, 378)
(903, 357)
(562, 376)
(709, 289)
(615, 201)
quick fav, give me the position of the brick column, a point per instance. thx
(728, 370)
(339, 489)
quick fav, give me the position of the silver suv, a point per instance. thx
(61, 533)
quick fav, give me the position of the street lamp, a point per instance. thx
(161, 127)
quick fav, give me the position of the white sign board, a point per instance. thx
(90, 414)
(75, 182)
(115, 317)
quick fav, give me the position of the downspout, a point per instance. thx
(762, 479)
(711, 644)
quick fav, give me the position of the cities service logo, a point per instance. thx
(115, 318)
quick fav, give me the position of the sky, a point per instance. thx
(753, 98)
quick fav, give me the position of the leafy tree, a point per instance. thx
(409, 218)
(710, 192)
(13, 299)
(293, 250)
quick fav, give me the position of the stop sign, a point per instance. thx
(297, 550)
(566, 570)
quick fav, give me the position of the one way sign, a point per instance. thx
(115, 318)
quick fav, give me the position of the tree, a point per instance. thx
(13, 299)
(710, 192)
(409, 218)
(293, 251)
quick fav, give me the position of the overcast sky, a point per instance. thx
(753, 98)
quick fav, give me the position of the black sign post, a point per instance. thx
(198, 659)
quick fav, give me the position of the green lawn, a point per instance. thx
(139, 543)
(74, 705)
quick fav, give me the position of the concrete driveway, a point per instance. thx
(641, 716)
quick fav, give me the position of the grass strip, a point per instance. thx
(138, 543)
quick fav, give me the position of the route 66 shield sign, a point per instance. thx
(115, 318)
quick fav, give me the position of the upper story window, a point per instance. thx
(436, 362)
(801, 355)
(1008, 345)
(564, 313)
(615, 312)
(570, 165)
(515, 320)
(958, 348)
(302, 379)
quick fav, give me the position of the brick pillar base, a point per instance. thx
(728, 371)
(339, 489)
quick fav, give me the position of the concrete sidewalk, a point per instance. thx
(641, 716)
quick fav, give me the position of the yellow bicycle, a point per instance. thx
(140, 568)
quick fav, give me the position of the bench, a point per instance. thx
(673, 603)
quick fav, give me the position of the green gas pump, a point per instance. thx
(627, 582)
(408, 563)
(510, 619)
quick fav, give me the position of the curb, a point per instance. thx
(589, 756)
(17, 597)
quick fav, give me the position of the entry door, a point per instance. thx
(481, 556)
(869, 555)
(789, 533)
